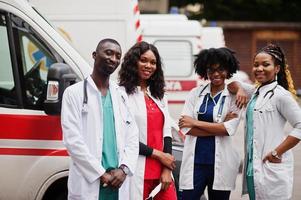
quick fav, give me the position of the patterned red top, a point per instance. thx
(155, 121)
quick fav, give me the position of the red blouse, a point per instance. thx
(155, 121)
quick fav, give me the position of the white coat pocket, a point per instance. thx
(276, 175)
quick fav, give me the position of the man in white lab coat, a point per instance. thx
(99, 132)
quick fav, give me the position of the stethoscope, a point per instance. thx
(220, 109)
(85, 100)
(269, 91)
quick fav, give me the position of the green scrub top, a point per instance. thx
(250, 133)
(109, 146)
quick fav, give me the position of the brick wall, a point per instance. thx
(240, 42)
(247, 41)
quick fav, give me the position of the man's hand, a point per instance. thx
(166, 159)
(186, 122)
(165, 179)
(118, 176)
(105, 179)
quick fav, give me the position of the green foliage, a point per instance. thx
(246, 10)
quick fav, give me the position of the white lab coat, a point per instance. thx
(138, 108)
(227, 159)
(273, 180)
(83, 138)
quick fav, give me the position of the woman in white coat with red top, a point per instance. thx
(141, 75)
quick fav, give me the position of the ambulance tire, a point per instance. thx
(57, 191)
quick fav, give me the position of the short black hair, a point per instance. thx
(101, 42)
(209, 57)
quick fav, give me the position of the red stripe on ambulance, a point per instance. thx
(30, 127)
(178, 85)
(33, 152)
(176, 101)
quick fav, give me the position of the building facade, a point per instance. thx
(247, 37)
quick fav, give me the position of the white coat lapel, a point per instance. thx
(160, 103)
(116, 103)
(265, 94)
(140, 110)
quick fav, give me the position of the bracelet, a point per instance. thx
(125, 169)
(275, 154)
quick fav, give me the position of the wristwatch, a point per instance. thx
(125, 169)
(275, 154)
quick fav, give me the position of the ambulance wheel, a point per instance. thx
(57, 191)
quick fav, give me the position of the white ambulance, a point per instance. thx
(33, 160)
(178, 40)
(212, 37)
(85, 23)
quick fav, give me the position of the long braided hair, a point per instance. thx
(284, 77)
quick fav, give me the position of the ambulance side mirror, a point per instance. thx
(58, 79)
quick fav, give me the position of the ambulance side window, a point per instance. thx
(35, 58)
(177, 57)
(7, 84)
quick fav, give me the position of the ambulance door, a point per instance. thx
(31, 149)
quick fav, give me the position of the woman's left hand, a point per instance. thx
(241, 98)
(165, 179)
(230, 115)
(186, 122)
(272, 159)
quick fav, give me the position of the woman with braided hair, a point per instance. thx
(268, 169)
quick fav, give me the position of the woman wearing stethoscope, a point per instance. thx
(268, 169)
(209, 157)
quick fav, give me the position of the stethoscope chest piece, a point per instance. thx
(85, 100)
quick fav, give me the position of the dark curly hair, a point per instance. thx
(209, 57)
(128, 74)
